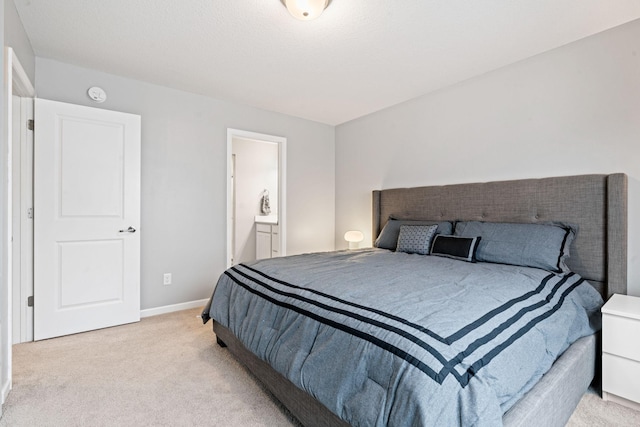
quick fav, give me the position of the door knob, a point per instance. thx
(128, 230)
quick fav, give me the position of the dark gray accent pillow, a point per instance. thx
(388, 238)
(544, 246)
(416, 239)
(462, 248)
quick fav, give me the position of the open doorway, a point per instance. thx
(256, 208)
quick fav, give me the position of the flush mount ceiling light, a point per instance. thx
(306, 10)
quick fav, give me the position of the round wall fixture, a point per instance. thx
(97, 94)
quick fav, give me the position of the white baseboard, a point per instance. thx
(173, 307)
(6, 388)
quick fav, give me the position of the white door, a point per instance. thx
(86, 218)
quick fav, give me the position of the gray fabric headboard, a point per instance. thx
(597, 204)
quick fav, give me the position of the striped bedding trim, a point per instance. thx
(245, 277)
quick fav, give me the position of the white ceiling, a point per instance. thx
(360, 56)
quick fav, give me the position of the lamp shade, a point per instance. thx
(353, 237)
(306, 10)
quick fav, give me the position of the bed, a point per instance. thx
(594, 205)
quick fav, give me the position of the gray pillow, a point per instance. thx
(388, 238)
(416, 239)
(544, 246)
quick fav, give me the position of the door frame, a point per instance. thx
(282, 179)
(23, 227)
(17, 82)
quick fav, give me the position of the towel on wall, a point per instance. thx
(265, 207)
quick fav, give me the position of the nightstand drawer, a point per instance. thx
(620, 336)
(621, 377)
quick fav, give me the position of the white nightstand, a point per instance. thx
(621, 350)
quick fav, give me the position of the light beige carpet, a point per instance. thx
(165, 371)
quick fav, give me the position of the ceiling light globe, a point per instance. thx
(306, 10)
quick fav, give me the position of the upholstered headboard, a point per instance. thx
(596, 204)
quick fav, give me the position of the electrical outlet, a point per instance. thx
(166, 279)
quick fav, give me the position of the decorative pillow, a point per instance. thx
(416, 239)
(462, 248)
(388, 238)
(544, 246)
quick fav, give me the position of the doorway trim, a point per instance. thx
(282, 179)
(16, 83)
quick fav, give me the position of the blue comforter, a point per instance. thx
(384, 338)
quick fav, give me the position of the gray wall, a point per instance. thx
(573, 110)
(3, 159)
(5, 346)
(184, 175)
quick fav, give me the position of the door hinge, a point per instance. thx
(30, 301)
(30, 213)
(30, 124)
